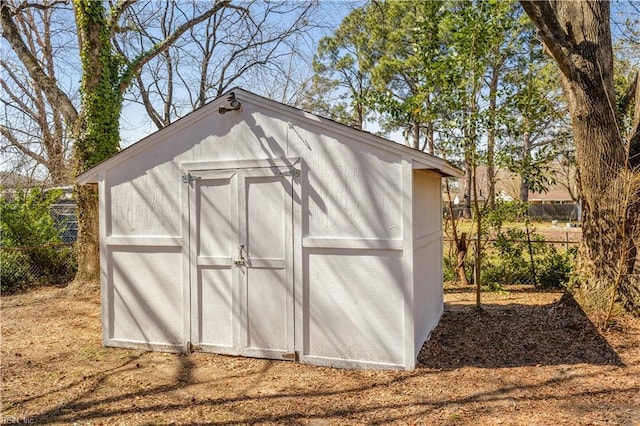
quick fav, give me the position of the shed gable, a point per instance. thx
(224, 124)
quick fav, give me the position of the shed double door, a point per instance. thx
(241, 264)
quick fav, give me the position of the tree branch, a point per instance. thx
(146, 101)
(116, 12)
(628, 96)
(634, 134)
(20, 147)
(145, 57)
(556, 40)
(21, 105)
(25, 5)
(144, 93)
(54, 95)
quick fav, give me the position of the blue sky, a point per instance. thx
(135, 123)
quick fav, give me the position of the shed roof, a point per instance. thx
(421, 160)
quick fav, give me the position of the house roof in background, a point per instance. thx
(10, 180)
(508, 183)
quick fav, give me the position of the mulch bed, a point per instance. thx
(517, 335)
(527, 358)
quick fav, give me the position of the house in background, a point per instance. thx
(9, 181)
(557, 203)
(252, 228)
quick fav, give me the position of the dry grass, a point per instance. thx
(526, 359)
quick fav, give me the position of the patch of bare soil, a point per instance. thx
(527, 358)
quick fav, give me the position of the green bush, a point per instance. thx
(554, 268)
(14, 270)
(505, 211)
(509, 262)
(493, 287)
(32, 250)
(492, 274)
(448, 270)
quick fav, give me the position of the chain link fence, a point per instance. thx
(535, 261)
(66, 221)
(21, 267)
(51, 263)
(562, 212)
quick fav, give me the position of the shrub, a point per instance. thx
(554, 268)
(492, 274)
(448, 270)
(26, 223)
(14, 270)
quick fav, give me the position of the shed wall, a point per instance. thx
(350, 239)
(353, 306)
(427, 257)
(147, 304)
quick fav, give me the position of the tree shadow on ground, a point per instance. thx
(499, 336)
(253, 409)
(515, 335)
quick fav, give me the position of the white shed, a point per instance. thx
(252, 228)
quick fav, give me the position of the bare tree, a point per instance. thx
(106, 74)
(234, 47)
(33, 131)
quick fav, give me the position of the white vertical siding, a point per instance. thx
(426, 203)
(427, 257)
(353, 306)
(351, 194)
(143, 196)
(366, 241)
(146, 298)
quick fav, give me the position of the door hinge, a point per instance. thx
(295, 356)
(188, 178)
(293, 172)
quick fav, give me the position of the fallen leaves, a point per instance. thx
(525, 359)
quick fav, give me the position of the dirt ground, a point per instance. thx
(526, 359)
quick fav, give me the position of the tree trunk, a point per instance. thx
(430, 139)
(415, 135)
(99, 135)
(429, 134)
(87, 278)
(578, 36)
(461, 248)
(460, 242)
(468, 173)
(491, 135)
(477, 264)
(466, 200)
(526, 158)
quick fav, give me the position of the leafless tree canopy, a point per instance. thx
(35, 138)
(251, 43)
(238, 46)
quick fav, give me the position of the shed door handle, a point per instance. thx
(241, 259)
